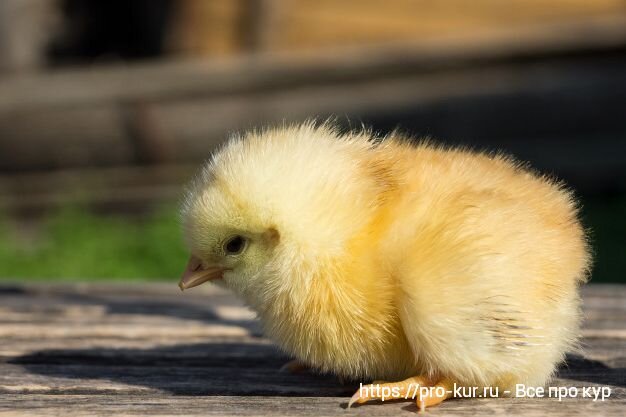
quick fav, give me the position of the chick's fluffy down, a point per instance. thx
(394, 258)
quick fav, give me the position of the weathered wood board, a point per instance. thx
(147, 349)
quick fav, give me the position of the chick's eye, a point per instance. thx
(235, 245)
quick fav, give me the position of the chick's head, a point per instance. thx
(230, 244)
(274, 212)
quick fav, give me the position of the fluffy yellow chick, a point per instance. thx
(378, 259)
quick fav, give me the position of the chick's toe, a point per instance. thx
(435, 394)
(293, 367)
(409, 388)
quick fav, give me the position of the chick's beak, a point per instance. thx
(196, 274)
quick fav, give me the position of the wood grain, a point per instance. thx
(147, 349)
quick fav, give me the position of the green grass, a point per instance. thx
(75, 244)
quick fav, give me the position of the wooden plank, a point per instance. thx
(457, 106)
(141, 405)
(176, 112)
(211, 28)
(130, 349)
(254, 73)
(315, 23)
(99, 187)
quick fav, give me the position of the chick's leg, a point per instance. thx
(435, 394)
(409, 388)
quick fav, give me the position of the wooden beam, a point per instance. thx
(267, 72)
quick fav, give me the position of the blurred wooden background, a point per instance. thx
(225, 27)
(544, 79)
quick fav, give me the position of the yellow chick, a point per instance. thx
(381, 259)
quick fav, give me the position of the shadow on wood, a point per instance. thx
(197, 369)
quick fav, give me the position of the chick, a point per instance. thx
(381, 259)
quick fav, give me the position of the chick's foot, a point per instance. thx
(293, 367)
(427, 392)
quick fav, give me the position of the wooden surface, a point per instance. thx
(147, 349)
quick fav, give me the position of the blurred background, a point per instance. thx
(107, 107)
